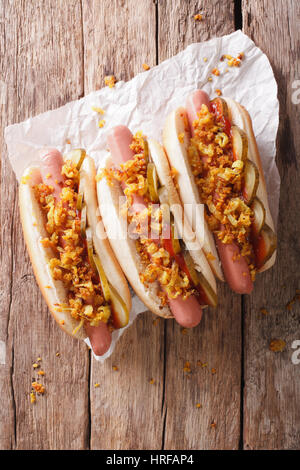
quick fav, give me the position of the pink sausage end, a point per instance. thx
(236, 272)
(100, 338)
(194, 103)
(188, 313)
(51, 165)
(119, 139)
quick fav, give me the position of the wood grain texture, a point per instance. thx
(217, 340)
(8, 113)
(44, 69)
(126, 407)
(177, 27)
(272, 392)
(119, 36)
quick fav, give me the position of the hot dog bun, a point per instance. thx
(125, 248)
(176, 149)
(33, 224)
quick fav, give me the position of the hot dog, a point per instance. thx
(234, 265)
(78, 274)
(187, 312)
(164, 276)
(212, 145)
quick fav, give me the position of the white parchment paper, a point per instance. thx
(144, 102)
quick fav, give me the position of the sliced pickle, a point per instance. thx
(77, 156)
(164, 227)
(259, 215)
(83, 222)
(152, 180)
(175, 239)
(90, 249)
(264, 246)
(208, 295)
(163, 195)
(191, 268)
(146, 150)
(80, 196)
(222, 108)
(103, 278)
(251, 179)
(120, 312)
(239, 144)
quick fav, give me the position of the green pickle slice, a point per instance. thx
(152, 180)
(90, 248)
(191, 267)
(77, 156)
(175, 239)
(146, 150)
(83, 219)
(120, 311)
(80, 196)
(103, 278)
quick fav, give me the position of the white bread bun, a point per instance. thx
(33, 223)
(124, 247)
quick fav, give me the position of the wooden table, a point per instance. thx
(54, 51)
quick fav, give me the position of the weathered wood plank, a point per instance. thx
(177, 27)
(8, 112)
(119, 36)
(272, 393)
(217, 340)
(44, 53)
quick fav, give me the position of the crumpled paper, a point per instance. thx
(144, 102)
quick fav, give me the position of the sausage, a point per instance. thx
(51, 164)
(194, 103)
(100, 337)
(235, 267)
(119, 140)
(187, 313)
